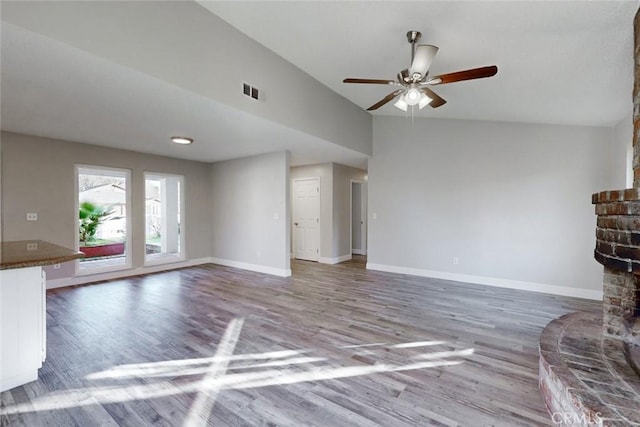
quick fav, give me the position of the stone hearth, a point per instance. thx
(586, 379)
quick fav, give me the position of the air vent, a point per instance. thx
(251, 91)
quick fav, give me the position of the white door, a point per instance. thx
(306, 218)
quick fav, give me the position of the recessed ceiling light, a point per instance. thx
(182, 140)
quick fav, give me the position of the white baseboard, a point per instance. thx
(491, 281)
(326, 260)
(89, 278)
(281, 272)
(359, 251)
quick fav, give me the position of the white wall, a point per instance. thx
(511, 201)
(250, 213)
(622, 154)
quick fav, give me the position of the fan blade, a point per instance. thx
(436, 100)
(370, 81)
(422, 59)
(385, 100)
(475, 73)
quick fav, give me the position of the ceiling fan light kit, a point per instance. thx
(415, 79)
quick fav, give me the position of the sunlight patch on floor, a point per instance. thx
(211, 375)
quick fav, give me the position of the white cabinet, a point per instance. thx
(22, 325)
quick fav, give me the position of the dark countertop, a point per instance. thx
(34, 253)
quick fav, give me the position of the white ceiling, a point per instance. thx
(564, 62)
(560, 62)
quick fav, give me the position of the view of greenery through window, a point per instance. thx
(103, 223)
(102, 217)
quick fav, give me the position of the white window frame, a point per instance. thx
(166, 258)
(127, 265)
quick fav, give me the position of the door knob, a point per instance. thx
(295, 223)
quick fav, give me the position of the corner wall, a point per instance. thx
(220, 59)
(250, 213)
(342, 176)
(511, 203)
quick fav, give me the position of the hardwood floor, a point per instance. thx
(331, 345)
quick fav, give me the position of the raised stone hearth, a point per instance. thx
(585, 378)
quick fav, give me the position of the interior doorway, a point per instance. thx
(306, 218)
(358, 217)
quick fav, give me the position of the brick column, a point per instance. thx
(618, 249)
(620, 305)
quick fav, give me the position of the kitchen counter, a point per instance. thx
(34, 253)
(23, 283)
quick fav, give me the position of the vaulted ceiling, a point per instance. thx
(563, 62)
(559, 62)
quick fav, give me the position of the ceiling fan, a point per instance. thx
(413, 82)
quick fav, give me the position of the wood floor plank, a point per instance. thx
(331, 345)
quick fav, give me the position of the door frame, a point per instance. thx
(363, 212)
(293, 233)
(128, 263)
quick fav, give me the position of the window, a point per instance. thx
(103, 215)
(164, 225)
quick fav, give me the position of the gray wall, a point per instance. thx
(38, 176)
(212, 59)
(622, 154)
(509, 200)
(247, 195)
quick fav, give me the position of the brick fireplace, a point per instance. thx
(618, 236)
(590, 361)
(618, 249)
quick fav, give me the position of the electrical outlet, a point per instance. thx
(31, 216)
(32, 246)
(374, 216)
(456, 260)
(56, 266)
(276, 215)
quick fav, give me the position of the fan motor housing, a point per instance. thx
(413, 36)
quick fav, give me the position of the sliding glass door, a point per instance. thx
(164, 225)
(103, 213)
